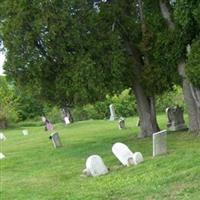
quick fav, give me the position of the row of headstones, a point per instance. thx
(174, 114)
(95, 165)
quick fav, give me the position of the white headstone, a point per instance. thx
(66, 119)
(2, 137)
(43, 119)
(55, 138)
(1, 156)
(112, 112)
(137, 158)
(25, 132)
(123, 153)
(160, 143)
(95, 166)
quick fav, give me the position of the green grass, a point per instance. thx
(34, 170)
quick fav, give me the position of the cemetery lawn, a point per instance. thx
(34, 170)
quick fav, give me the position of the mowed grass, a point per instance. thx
(34, 170)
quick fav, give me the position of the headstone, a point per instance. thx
(112, 112)
(25, 132)
(121, 123)
(137, 158)
(175, 119)
(125, 155)
(43, 119)
(1, 156)
(2, 137)
(66, 119)
(95, 166)
(49, 126)
(55, 138)
(159, 143)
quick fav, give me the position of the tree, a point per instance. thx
(186, 24)
(74, 54)
(8, 112)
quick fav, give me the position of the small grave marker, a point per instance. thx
(2, 137)
(121, 123)
(25, 132)
(2, 156)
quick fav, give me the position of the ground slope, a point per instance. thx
(34, 170)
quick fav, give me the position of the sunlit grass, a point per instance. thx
(33, 169)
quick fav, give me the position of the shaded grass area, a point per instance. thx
(34, 170)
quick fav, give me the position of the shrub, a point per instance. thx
(171, 98)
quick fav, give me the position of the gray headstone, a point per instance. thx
(175, 119)
(160, 143)
(55, 138)
(112, 112)
(95, 166)
(121, 123)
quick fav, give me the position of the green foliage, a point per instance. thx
(28, 105)
(193, 64)
(124, 103)
(8, 112)
(170, 98)
(52, 113)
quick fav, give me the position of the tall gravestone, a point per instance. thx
(125, 155)
(112, 112)
(159, 143)
(175, 119)
(55, 138)
(95, 166)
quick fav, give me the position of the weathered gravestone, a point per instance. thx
(25, 132)
(121, 123)
(2, 137)
(95, 166)
(55, 138)
(125, 155)
(175, 119)
(112, 112)
(159, 143)
(48, 126)
(1, 156)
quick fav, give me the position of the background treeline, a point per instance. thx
(16, 105)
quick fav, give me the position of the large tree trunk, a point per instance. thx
(146, 111)
(191, 94)
(192, 100)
